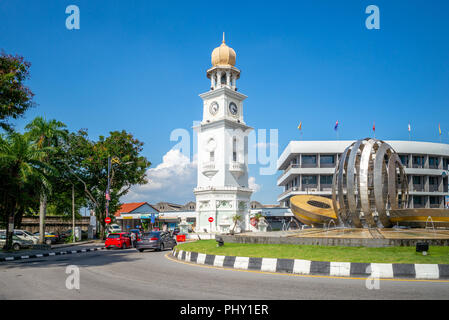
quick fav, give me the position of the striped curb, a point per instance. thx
(307, 267)
(48, 254)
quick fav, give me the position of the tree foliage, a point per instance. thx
(15, 97)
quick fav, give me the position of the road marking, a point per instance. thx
(167, 255)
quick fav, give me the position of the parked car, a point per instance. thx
(25, 235)
(50, 237)
(68, 233)
(156, 240)
(114, 228)
(120, 240)
(17, 243)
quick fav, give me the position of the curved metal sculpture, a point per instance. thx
(369, 179)
(312, 210)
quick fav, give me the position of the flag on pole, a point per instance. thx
(108, 197)
(374, 126)
(409, 127)
(300, 125)
(439, 129)
(336, 126)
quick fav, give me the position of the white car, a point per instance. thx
(24, 235)
(114, 228)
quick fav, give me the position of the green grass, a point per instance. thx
(435, 255)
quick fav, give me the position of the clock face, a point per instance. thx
(233, 108)
(213, 109)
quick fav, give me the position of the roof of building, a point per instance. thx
(338, 146)
(130, 207)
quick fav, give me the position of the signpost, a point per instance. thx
(211, 219)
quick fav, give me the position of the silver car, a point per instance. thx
(156, 240)
(17, 243)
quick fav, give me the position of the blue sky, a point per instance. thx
(140, 65)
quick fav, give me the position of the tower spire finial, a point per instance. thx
(223, 37)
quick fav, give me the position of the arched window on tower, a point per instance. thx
(212, 156)
(223, 79)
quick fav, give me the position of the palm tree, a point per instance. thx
(236, 219)
(46, 134)
(21, 165)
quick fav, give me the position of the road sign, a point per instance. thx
(211, 219)
(107, 220)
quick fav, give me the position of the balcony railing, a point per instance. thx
(208, 169)
(237, 168)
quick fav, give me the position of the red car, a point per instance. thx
(119, 240)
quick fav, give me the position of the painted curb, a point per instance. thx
(323, 268)
(48, 254)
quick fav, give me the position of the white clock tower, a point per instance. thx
(222, 190)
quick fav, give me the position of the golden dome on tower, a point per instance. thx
(223, 55)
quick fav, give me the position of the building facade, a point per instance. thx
(222, 190)
(308, 166)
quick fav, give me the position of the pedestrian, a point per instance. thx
(133, 239)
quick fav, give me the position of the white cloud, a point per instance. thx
(172, 180)
(253, 185)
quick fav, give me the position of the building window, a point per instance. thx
(325, 180)
(446, 163)
(418, 161)
(434, 200)
(327, 160)
(433, 162)
(417, 200)
(308, 180)
(404, 160)
(433, 180)
(234, 149)
(212, 156)
(416, 179)
(309, 161)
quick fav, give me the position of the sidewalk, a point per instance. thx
(83, 246)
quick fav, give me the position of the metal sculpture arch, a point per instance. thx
(369, 179)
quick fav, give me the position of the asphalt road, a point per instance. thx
(128, 274)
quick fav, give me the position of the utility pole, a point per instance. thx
(73, 212)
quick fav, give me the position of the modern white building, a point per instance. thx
(308, 167)
(222, 190)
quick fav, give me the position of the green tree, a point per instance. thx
(22, 169)
(89, 164)
(236, 219)
(51, 135)
(15, 97)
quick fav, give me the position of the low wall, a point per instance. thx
(53, 224)
(374, 243)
